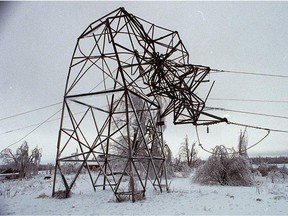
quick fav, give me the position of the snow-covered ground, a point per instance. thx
(33, 197)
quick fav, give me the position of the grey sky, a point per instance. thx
(38, 38)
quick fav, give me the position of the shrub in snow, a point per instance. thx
(181, 167)
(277, 174)
(273, 172)
(264, 169)
(274, 175)
(70, 168)
(284, 172)
(224, 168)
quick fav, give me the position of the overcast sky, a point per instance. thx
(38, 38)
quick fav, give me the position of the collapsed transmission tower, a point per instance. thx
(125, 76)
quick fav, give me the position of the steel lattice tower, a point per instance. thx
(125, 76)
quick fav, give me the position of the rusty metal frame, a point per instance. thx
(121, 67)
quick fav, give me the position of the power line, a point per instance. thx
(248, 100)
(29, 111)
(248, 73)
(246, 112)
(251, 146)
(257, 127)
(46, 121)
(39, 125)
(212, 70)
(216, 99)
(28, 126)
(32, 125)
(246, 126)
(33, 110)
(213, 108)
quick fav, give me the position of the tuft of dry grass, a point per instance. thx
(61, 194)
(42, 196)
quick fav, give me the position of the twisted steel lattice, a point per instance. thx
(125, 76)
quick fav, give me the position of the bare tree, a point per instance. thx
(34, 160)
(188, 154)
(243, 142)
(21, 161)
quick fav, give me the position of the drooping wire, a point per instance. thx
(246, 112)
(247, 148)
(47, 120)
(268, 132)
(257, 127)
(220, 99)
(34, 129)
(29, 111)
(248, 73)
(32, 125)
(248, 100)
(39, 125)
(199, 142)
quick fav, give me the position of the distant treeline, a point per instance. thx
(254, 160)
(269, 160)
(42, 167)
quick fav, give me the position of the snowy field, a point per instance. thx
(33, 197)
